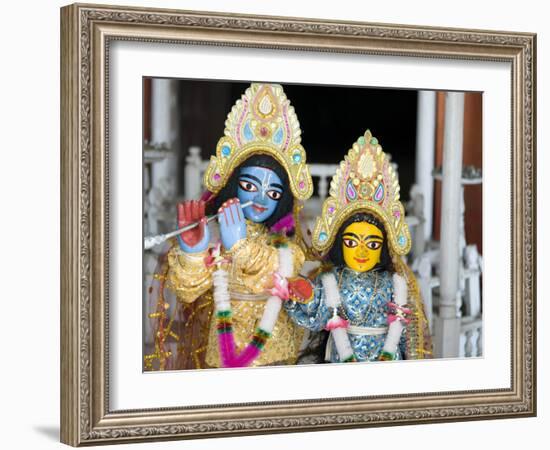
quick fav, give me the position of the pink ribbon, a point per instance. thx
(336, 322)
(280, 287)
(400, 313)
(214, 256)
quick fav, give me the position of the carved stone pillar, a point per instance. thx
(164, 132)
(161, 178)
(447, 325)
(425, 155)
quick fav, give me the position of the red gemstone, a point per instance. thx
(263, 131)
(300, 289)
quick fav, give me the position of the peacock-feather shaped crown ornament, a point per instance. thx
(364, 182)
(261, 122)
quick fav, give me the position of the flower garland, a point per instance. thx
(338, 326)
(226, 339)
(397, 319)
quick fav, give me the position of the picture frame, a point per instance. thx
(87, 32)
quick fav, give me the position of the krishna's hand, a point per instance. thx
(194, 240)
(232, 223)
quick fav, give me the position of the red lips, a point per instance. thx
(361, 261)
(259, 209)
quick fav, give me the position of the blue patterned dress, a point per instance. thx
(365, 298)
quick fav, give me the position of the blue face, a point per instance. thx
(264, 188)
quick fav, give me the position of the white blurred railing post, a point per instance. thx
(447, 325)
(479, 342)
(472, 289)
(471, 338)
(419, 231)
(423, 268)
(193, 174)
(425, 155)
(323, 187)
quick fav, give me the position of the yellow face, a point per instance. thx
(362, 246)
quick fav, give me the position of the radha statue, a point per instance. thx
(230, 283)
(367, 297)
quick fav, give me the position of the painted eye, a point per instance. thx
(350, 243)
(274, 195)
(247, 186)
(374, 245)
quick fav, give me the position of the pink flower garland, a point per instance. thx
(226, 338)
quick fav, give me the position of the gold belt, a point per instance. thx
(241, 296)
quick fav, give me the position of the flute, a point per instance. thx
(150, 241)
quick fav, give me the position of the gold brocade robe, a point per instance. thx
(254, 260)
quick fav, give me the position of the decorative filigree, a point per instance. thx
(316, 422)
(523, 258)
(84, 226)
(190, 19)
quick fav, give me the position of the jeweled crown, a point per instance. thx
(365, 181)
(261, 122)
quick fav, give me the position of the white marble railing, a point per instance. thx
(471, 337)
(468, 300)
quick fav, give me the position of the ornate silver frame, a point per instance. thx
(86, 31)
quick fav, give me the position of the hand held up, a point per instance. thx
(195, 240)
(232, 223)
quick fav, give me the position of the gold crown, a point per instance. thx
(261, 122)
(364, 182)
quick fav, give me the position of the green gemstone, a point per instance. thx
(374, 141)
(361, 140)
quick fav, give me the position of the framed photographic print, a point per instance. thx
(277, 225)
